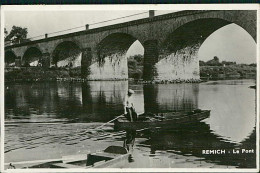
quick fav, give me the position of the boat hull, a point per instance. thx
(178, 120)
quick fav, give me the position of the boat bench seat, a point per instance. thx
(109, 155)
(65, 165)
(99, 163)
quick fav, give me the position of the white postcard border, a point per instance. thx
(127, 7)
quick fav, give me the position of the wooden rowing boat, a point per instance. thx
(112, 156)
(163, 120)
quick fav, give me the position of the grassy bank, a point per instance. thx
(40, 74)
(135, 71)
(231, 71)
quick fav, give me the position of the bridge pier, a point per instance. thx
(86, 59)
(150, 59)
(46, 60)
(18, 62)
(109, 67)
(181, 65)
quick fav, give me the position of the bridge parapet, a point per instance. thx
(114, 26)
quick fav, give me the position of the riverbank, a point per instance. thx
(40, 74)
(237, 71)
(35, 74)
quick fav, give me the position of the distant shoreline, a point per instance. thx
(207, 73)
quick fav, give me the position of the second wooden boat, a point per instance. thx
(112, 156)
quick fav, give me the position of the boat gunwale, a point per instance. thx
(166, 123)
(185, 115)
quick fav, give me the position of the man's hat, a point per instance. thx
(131, 91)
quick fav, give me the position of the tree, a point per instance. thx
(214, 62)
(216, 58)
(252, 65)
(139, 58)
(16, 35)
(202, 63)
(6, 32)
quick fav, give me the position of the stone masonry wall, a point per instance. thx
(113, 67)
(181, 65)
(74, 61)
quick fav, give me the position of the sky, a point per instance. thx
(229, 43)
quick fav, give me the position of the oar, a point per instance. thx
(117, 134)
(108, 122)
(105, 123)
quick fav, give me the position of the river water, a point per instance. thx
(50, 120)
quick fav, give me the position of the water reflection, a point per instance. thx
(230, 125)
(232, 103)
(232, 106)
(192, 141)
(163, 98)
(129, 139)
(102, 101)
(93, 101)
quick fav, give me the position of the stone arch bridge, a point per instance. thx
(171, 43)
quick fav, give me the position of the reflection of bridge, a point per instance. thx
(96, 100)
(190, 141)
(171, 43)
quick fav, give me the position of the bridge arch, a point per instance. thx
(178, 52)
(111, 60)
(10, 58)
(243, 18)
(66, 54)
(32, 56)
(115, 43)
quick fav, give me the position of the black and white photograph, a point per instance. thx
(130, 87)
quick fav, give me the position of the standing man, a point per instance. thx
(129, 106)
(131, 116)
